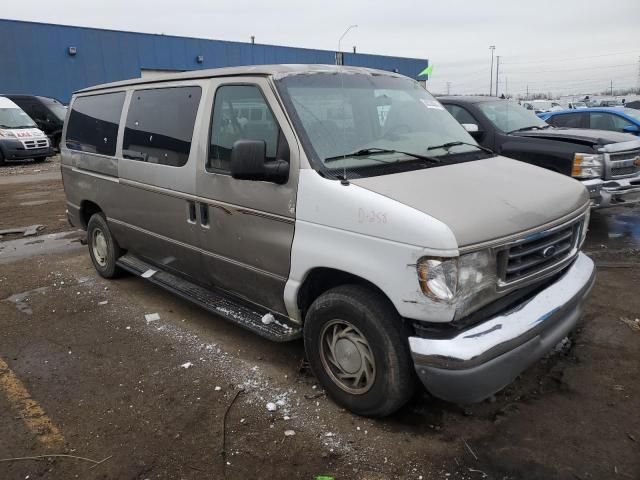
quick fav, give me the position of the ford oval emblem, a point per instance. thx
(549, 251)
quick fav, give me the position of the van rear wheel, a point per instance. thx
(357, 348)
(103, 248)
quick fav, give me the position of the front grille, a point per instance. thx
(538, 252)
(40, 143)
(624, 164)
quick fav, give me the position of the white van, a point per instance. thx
(343, 205)
(20, 137)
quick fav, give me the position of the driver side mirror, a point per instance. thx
(249, 162)
(632, 129)
(473, 130)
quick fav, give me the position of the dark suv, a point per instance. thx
(607, 163)
(48, 113)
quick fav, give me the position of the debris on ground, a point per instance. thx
(26, 231)
(151, 317)
(272, 407)
(632, 324)
(289, 433)
(187, 365)
(104, 302)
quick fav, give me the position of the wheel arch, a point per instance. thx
(87, 209)
(322, 279)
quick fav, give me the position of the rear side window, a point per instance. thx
(160, 125)
(572, 120)
(240, 112)
(461, 114)
(93, 123)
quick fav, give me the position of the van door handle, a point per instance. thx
(204, 214)
(191, 208)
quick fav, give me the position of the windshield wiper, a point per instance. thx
(531, 127)
(365, 152)
(448, 145)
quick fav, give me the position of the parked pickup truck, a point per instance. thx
(607, 163)
(345, 206)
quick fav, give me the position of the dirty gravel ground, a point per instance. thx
(82, 377)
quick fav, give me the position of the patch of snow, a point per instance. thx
(289, 433)
(268, 318)
(272, 407)
(187, 365)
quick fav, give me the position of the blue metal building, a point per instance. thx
(55, 60)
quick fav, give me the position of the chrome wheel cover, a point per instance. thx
(347, 357)
(99, 247)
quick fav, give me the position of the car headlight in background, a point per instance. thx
(7, 133)
(469, 281)
(587, 165)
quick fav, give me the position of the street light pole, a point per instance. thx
(497, 72)
(492, 48)
(340, 41)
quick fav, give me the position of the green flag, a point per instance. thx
(426, 71)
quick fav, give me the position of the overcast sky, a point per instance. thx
(563, 46)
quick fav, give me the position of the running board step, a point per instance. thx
(280, 329)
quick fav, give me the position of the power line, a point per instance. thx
(547, 60)
(570, 69)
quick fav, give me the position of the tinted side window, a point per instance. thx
(240, 112)
(572, 120)
(607, 121)
(160, 125)
(93, 123)
(460, 114)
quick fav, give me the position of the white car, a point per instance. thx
(20, 137)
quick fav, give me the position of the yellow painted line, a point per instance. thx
(32, 414)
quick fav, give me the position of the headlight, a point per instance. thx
(468, 281)
(586, 165)
(438, 277)
(7, 133)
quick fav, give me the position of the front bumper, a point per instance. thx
(13, 149)
(480, 361)
(608, 193)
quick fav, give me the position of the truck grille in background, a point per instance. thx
(40, 143)
(623, 164)
(538, 252)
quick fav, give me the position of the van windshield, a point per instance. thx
(15, 118)
(359, 124)
(58, 109)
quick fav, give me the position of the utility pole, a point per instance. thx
(492, 48)
(506, 87)
(612, 88)
(448, 88)
(527, 92)
(497, 74)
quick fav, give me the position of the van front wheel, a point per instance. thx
(103, 248)
(357, 348)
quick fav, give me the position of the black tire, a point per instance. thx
(103, 256)
(39, 159)
(374, 319)
(1, 159)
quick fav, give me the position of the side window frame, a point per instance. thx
(281, 136)
(127, 111)
(118, 139)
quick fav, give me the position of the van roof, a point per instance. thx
(256, 70)
(6, 103)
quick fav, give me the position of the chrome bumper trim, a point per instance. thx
(506, 332)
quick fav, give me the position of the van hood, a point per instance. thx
(25, 133)
(484, 200)
(578, 135)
